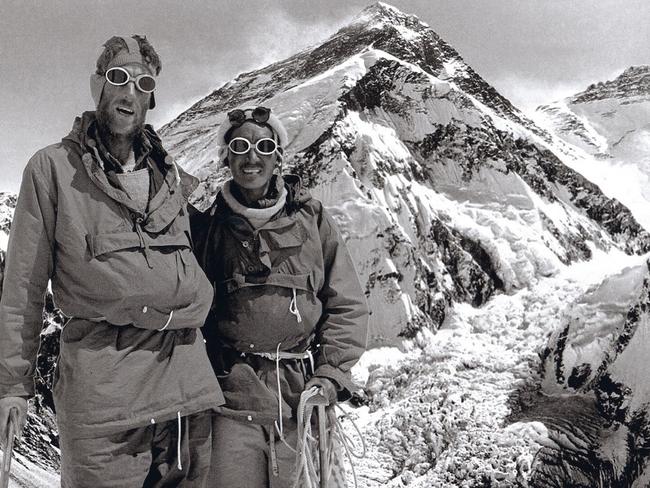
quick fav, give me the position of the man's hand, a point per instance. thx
(327, 388)
(6, 404)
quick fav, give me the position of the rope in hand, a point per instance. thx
(306, 474)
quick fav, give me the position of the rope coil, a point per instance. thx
(306, 472)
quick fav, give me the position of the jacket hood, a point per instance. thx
(297, 194)
(79, 135)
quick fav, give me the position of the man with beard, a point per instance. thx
(102, 214)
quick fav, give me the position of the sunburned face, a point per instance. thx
(252, 171)
(122, 109)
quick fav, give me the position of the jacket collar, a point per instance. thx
(296, 196)
(173, 194)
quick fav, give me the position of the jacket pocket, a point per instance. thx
(100, 244)
(258, 316)
(284, 238)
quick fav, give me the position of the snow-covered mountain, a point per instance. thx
(449, 198)
(609, 123)
(609, 119)
(443, 190)
(596, 367)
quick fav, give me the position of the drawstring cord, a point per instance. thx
(99, 160)
(176, 174)
(293, 307)
(168, 320)
(311, 361)
(279, 422)
(277, 379)
(178, 444)
(279, 428)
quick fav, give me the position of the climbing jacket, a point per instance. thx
(285, 293)
(120, 276)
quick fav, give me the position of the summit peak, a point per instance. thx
(384, 13)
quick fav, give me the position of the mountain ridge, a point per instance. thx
(605, 131)
(459, 196)
(372, 28)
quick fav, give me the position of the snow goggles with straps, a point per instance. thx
(259, 114)
(119, 76)
(265, 146)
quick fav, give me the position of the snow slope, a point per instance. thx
(466, 408)
(608, 129)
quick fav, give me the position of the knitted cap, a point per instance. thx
(129, 55)
(274, 123)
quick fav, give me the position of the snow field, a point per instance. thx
(438, 413)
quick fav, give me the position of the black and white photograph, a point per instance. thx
(343, 244)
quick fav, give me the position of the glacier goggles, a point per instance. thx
(265, 146)
(259, 114)
(119, 76)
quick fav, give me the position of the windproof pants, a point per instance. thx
(143, 457)
(241, 455)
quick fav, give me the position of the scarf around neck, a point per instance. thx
(271, 204)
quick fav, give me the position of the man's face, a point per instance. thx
(122, 109)
(252, 171)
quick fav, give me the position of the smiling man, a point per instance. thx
(103, 215)
(290, 314)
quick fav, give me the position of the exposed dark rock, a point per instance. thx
(634, 81)
(600, 427)
(470, 267)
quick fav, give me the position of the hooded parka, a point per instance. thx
(290, 286)
(132, 353)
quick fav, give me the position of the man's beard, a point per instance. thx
(107, 121)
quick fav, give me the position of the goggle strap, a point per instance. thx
(132, 45)
(259, 115)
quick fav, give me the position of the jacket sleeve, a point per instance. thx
(29, 266)
(343, 329)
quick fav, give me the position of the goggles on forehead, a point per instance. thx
(259, 114)
(119, 76)
(265, 146)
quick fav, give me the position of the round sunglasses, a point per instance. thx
(119, 76)
(265, 146)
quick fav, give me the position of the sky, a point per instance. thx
(532, 51)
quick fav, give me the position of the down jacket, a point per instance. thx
(288, 285)
(119, 275)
